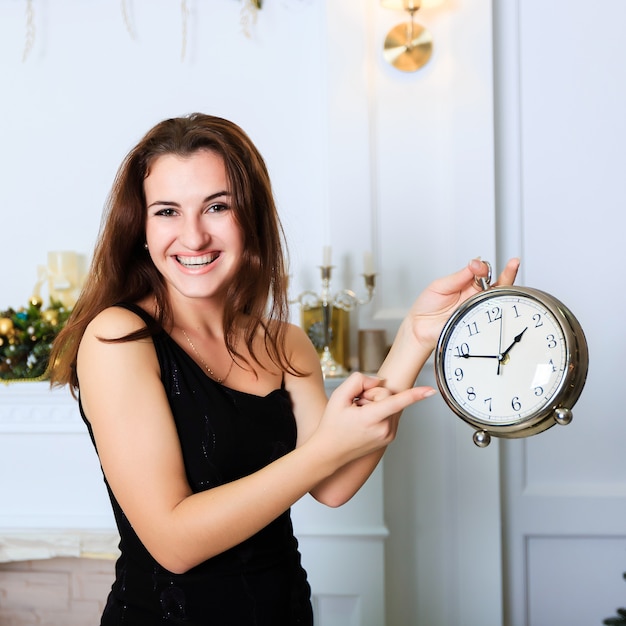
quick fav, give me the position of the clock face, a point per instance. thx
(503, 358)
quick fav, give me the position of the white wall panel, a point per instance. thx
(561, 133)
(575, 580)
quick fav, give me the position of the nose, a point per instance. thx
(194, 234)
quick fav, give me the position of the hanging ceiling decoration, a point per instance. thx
(248, 16)
(29, 40)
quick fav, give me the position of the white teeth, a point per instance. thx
(196, 261)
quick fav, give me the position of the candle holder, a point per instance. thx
(334, 308)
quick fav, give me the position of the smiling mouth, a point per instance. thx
(197, 261)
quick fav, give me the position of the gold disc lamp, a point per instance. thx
(408, 46)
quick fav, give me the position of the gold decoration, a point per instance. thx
(6, 326)
(326, 317)
(51, 316)
(312, 321)
(36, 301)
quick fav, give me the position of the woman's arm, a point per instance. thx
(310, 403)
(139, 450)
(412, 347)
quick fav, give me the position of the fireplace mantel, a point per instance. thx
(37, 544)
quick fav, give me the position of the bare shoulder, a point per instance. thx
(299, 346)
(303, 355)
(114, 322)
(103, 360)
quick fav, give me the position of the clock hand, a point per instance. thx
(517, 339)
(500, 357)
(477, 356)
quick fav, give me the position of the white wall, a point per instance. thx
(88, 91)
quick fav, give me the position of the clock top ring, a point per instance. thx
(483, 282)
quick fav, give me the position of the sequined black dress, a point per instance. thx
(224, 434)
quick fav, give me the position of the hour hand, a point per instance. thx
(517, 339)
(478, 356)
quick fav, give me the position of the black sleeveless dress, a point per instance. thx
(224, 435)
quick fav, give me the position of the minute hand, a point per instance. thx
(517, 339)
(478, 356)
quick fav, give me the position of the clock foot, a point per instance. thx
(482, 438)
(563, 416)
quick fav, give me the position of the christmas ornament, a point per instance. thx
(26, 337)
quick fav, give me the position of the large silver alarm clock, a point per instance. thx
(511, 362)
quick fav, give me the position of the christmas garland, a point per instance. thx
(26, 336)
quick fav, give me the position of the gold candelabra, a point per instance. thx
(344, 300)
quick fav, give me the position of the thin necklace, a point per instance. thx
(206, 367)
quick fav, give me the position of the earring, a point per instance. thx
(145, 246)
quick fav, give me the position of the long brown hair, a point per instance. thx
(122, 271)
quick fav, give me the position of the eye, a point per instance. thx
(166, 212)
(218, 207)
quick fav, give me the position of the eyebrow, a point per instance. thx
(213, 196)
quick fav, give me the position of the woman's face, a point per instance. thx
(191, 231)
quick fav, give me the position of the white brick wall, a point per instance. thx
(54, 592)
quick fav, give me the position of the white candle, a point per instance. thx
(368, 264)
(326, 262)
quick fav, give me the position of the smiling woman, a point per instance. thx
(207, 409)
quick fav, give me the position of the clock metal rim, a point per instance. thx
(563, 397)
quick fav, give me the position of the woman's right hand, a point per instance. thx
(361, 416)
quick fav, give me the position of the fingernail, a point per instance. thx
(430, 392)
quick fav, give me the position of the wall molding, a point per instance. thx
(32, 407)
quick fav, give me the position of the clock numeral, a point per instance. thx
(516, 405)
(472, 329)
(551, 341)
(487, 401)
(471, 394)
(458, 374)
(538, 391)
(551, 362)
(537, 319)
(461, 350)
(494, 315)
(517, 313)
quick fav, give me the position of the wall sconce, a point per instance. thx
(408, 46)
